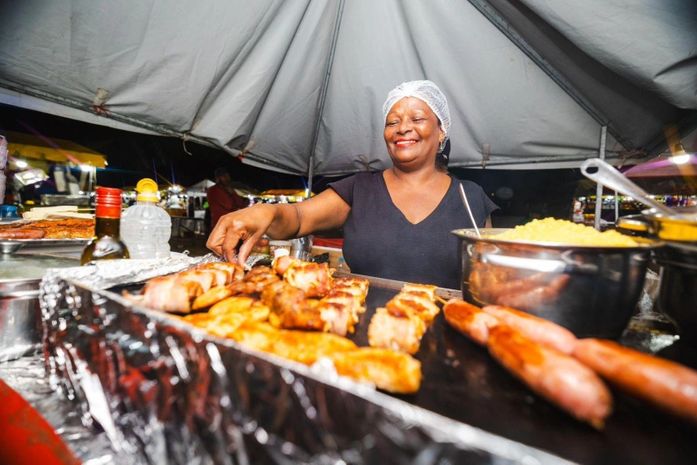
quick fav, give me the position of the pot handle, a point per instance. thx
(543, 265)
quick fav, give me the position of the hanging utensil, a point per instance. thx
(610, 177)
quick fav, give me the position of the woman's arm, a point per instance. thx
(243, 228)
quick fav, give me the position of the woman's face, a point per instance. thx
(412, 133)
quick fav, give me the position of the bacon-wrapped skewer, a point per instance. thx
(315, 279)
(177, 292)
(255, 281)
(291, 309)
(357, 287)
(405, 318)
(337, 312)
(401, 333)
(169, 294)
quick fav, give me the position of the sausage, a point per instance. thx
(22, 233)
(470, 320)
(536, 328)
(668, 385)
(557, 377)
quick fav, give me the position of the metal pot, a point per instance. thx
(681, 227)
(677, 296)
(593, 291)
(20, 315)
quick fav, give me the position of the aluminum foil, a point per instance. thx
(26, 376)
(164, 392)
(109, 273)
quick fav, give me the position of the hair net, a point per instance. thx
(427, 91)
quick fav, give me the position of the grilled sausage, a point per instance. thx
(557, 377)
(666, 384)
(22, 233)
(469, 320)
(536, 328)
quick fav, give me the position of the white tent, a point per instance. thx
(200, 187)
(297, 86)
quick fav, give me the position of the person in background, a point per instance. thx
(397, 223)
(222, 198)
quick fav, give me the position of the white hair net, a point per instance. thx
(427, 91)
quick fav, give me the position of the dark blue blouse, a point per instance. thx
(380, 241)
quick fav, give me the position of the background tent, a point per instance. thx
(298, 86)
(54, 150)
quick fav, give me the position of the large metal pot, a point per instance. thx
(593, 291)
(20, 315)
(677, 297)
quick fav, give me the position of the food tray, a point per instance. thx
(168, 391)
(8, 246)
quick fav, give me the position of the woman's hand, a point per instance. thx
(236, 233)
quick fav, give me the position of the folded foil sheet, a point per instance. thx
(164, 392)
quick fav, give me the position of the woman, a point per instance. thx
(396, 222)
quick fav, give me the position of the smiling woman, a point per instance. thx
(396, 222)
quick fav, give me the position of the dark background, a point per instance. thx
(521, 194)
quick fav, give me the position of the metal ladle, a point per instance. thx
(610, 177)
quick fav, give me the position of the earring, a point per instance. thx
(441, 146)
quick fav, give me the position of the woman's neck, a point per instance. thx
(418, 177)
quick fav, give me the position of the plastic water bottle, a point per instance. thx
(145, 226)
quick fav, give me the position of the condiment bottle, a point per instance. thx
(106, 243)
(145, 226)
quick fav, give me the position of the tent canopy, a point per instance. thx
(200, 186)
(297, 86)
(22, 145)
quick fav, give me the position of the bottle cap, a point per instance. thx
(147, 191)
(108, 202)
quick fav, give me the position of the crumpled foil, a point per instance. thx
(109, 273)
(164, 392)
(26, 376)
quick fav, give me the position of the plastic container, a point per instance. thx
(145, 226)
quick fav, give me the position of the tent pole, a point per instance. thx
(323, 98)
(599, 187)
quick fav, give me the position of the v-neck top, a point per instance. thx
(380, 241)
